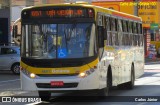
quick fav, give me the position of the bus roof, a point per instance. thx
(96, 8)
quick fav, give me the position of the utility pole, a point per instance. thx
(29, 2)
(44, 1)
(10, 38)
(136, 7)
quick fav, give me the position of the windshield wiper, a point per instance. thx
(66, 41)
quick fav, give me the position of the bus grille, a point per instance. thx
(56, 75)
(48, 85)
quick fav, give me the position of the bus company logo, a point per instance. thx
(46, 71)
(60, 71)
(6, 99)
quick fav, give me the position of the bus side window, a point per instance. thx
(120, 25)
(105, 27)
(141, 35)
(113, 29)
(100, 30)
(132, 28)
(127, 30)
(135, 34)
(141, 28)
(130, 33)
(113, 26)
(135, 28)
(109, 34)
(124, 26)
(120, 34)
(116, 37)
(109, 24)
(127, 34)
(138, 33)
(116, 22)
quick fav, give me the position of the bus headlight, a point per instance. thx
(32, 75)
(28, 74)
(86, 73)
(82, 75)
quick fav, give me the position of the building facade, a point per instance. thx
(10, 11)
(5, 36)
(148, 10)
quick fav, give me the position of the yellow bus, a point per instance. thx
(74, 46)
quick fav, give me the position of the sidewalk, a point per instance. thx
(152, 61)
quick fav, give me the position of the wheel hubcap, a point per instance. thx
(16, 69)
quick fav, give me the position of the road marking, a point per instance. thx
(152, 70)
(35, 103)
(9, 81)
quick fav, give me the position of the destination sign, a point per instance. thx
(59, 13)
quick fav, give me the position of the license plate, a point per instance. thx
(57, 83)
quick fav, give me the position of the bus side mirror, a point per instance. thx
(14, 31)
(100, 36)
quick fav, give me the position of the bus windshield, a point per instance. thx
(59, 41)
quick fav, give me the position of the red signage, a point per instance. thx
(57, 83)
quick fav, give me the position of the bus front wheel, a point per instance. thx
(44, 95)
(105, 91)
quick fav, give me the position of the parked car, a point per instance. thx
(10, 58)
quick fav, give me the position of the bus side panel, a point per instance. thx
(139, 62)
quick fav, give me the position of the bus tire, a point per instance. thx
(44, 95)
(105, 91)
(130, 84)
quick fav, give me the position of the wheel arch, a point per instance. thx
(109, 74)
(133, 67)
(14, 64)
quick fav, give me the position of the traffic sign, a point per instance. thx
(154, 26)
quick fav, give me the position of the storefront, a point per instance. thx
(148, 10)
(5, 36)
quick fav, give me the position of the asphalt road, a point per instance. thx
(147, 85)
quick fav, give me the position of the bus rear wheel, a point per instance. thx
(130, 84)
(44, 95)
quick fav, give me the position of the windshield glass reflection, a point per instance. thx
(51, 41)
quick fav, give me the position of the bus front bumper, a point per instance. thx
(69, 83)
